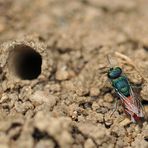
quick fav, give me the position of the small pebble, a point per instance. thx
(144, 93)
(94, 92)
(125, 122)
(40, 97)
(89, 144)
(108, 98)
(62, 75)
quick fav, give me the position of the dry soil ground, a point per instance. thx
(54, 91)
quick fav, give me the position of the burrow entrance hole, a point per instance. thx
(25, 62)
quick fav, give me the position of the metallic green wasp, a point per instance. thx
(131, 104)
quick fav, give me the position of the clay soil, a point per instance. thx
(54, 90)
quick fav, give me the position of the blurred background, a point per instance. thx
(67, 103)
(103, 21)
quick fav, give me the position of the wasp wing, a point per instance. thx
(138, 103)
(132, 104)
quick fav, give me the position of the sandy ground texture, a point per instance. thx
(54, 91)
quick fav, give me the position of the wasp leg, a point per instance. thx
(138, 87)
(115, 108)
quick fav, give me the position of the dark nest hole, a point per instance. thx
(25, 62)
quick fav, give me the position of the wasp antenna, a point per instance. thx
(109, 61)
